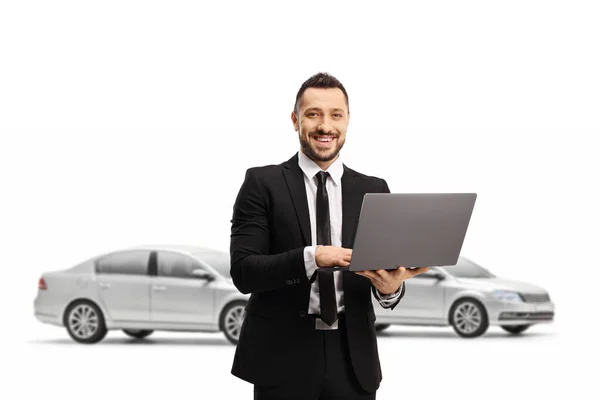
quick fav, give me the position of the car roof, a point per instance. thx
(192, 249)
(189, 249)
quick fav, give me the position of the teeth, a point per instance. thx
(325, 139)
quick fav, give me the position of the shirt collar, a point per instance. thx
(310, 168)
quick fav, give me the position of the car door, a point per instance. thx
(179, 297)
(424, 298)
(124, 285)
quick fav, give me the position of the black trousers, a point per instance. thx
(338, 381)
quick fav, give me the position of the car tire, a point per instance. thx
(138, 333)
(469, 318)
(85, 322)
(231, 320)
(515, 329)
(381, 327)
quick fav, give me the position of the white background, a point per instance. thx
(127, 123)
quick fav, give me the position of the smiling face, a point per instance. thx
(321, 121)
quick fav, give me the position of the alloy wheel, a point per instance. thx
(83, 321)
(467, 317)
(233, 321)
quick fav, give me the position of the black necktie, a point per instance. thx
(326, 285)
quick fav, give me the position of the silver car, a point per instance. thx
(470, 299)
(143, 289)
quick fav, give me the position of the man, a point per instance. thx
(309, 330)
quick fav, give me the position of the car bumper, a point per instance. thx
(507, 313)
(46, 312)
(48, 318)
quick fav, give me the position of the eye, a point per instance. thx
(337, 115)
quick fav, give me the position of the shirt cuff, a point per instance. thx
(388, 299)
(309, 261)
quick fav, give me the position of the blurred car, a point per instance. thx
(470, 299)
(143, 289)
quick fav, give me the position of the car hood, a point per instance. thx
(502, 284)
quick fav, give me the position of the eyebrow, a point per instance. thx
(319, 109)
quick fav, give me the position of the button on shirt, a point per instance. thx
(334, 191)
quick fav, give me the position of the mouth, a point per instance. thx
(324, 141)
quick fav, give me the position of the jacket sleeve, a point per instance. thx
(253, 269)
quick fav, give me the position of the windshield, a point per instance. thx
(219, 261)
(468, 269)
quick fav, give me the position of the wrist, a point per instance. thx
(391, 293)
(318, 253)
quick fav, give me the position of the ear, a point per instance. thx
(295, 120)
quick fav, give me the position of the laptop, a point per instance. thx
(410, 229)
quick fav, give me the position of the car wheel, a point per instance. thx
(231, 320)
(469, 318)
(138, 333)
(515, 329)
(84, 322)
(381, 327)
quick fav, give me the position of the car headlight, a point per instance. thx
(505, 295)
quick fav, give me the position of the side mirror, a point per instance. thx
(202, 274)
(437, 275)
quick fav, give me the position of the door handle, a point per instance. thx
(158, 288)
(104, 285)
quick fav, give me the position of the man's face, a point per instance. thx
(321, 123)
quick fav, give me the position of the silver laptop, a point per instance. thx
(410, 229)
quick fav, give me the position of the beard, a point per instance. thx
(317, 155)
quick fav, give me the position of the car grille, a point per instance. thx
(535, 297)
(531, 316)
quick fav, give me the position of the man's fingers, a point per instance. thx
(381, 272)
(418, 271)
(361, 273)
(369, 274)
(345, 258)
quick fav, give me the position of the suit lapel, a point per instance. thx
(294, 179)
(352, 197)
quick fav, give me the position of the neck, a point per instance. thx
(323, 164)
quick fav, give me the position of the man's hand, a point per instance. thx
(331, 256)
(388, 282)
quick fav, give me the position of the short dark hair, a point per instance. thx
(320, 80)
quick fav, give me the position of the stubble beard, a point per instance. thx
(316, 155)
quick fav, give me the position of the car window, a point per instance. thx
(219, 261)
(465, 268)
(126, 263)
(176, 265)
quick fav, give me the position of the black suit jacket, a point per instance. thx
(270, 229)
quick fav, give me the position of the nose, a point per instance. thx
(325, 126)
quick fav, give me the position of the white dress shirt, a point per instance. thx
(334, 192)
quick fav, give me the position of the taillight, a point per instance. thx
(42, 284)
